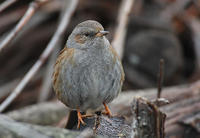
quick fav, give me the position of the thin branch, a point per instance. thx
(56, 38)
(160, 77)
(160, 101)
(27, 16)
(6, 4)
(120, 33)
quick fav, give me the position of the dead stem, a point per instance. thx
(160, 78)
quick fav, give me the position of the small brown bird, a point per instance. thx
(88, 72)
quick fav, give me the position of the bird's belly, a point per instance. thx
(89, 86)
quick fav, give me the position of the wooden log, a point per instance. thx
(148, 120)
(104, 126)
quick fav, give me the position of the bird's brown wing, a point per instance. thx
(121, 67)
(66, 55)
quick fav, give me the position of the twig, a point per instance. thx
(6, 4)
(51, 45)
(27, 16)
(160, 78)
(120, 33)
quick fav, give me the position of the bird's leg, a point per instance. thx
(80, 118)
(107, 110)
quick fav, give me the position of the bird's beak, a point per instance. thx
(102, 33)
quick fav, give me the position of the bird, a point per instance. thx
(88, 72)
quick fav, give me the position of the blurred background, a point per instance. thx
(157, 29)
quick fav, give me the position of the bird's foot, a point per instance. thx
(80, 118)
(107, 110)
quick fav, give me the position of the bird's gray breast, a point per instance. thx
(93, 79)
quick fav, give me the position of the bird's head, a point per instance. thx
(86, 35)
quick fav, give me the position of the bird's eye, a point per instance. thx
(87, 34)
